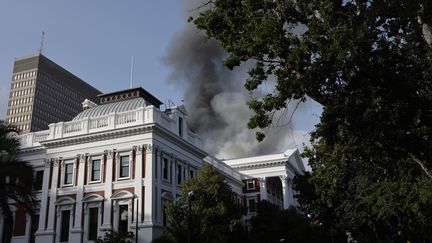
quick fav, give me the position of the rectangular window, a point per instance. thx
(68, 174)
(65, 219)
(250, 184)
(191, 173)
(96, 169)
(123, 219)
(38, 180)
(180, 127)
(179, 174)
(165, 175)
(252, 205)
(93, 224)
(124, 166)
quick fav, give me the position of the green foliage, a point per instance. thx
(273, 224)
(214, 215)
(370, 65)
(16, 179)
(116, 237)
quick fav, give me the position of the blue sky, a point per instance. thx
(94, 40)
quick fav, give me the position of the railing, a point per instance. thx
(124, 118)
(73, 127)
(140, 116)
(33, 139)
(41, 136)
(99, 122)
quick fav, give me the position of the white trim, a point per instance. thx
(90, 160)
(59, 211)
(92, 201)
(168, 160)
(64, 163)
(118, 163)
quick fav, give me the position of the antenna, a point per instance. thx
(131, 72)
(42, 42)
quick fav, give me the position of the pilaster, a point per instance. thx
(138, 180)
(53, 194)
(149, 185)
(287, 192)
(106, 224)
(263, 188)
(77, 231)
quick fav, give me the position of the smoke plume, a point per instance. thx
(217, 101)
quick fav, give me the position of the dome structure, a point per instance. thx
(105, 109)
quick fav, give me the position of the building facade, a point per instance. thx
(115, 165)
(42, 93)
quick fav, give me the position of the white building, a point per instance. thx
(116, 164)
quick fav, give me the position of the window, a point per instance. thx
(252, 205)
(93, 224)
(179, 174)
(124, 166)
(165, 169)
(38, 180)
(65, 219)
(180, 127)
(191, 173)
(96, 170)
(250, 184)
(123, 219)
(68, 175)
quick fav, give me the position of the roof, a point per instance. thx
(101, 110)
(129, 94)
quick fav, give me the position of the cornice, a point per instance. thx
(34, 149)
(261, 164)
(99, 136)
(178, 141)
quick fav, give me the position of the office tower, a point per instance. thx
(42, 92)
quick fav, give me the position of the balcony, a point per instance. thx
(149, 115)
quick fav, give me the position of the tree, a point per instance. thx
(369, 63)
(16, 179)
(272, 224)
(206, 210)
(116, 237)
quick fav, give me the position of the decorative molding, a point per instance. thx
(98, 136)
(108, 153)
(56, 162)
(47, 162)
(256, 165)
(149, 148)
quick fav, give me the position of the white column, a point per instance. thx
(149, 184)
(77, 230)
(106, 225)
(45, 193)
(173, 177)
(263, 189)
(287, 192)
(138, 180)
(53, 194)
(158, 185)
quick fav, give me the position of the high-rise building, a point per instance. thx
(42, 92)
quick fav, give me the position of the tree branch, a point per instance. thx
(420, 163)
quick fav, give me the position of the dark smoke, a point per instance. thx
(217, 101)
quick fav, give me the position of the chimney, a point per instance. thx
(87, 104)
